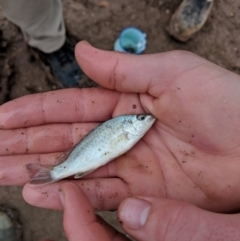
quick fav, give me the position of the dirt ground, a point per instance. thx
(22, 72)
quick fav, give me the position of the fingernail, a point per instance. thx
(134, 213)
(61, 196)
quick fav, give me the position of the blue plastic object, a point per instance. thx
(131, 40)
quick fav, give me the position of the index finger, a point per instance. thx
(61, 106)
(79, 219)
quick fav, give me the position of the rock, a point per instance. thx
(189, 18)
(10, 228)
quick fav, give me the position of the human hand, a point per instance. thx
(145, 218)
(191, 153)
(79, 219)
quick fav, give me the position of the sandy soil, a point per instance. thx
(22, 72)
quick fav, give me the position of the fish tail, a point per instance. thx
(39, 174)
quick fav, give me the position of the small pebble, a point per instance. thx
(167, 11)
(104, 4)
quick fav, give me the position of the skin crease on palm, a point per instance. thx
(191, 153)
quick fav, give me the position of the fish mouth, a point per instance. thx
(150, 118)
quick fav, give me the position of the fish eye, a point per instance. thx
(141, 117)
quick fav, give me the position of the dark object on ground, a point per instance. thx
(10, 227)
(64, 66)
(189, 18)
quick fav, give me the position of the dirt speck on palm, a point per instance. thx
(100, 22)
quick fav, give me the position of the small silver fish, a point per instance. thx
(104, 143)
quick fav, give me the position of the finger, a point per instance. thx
(104, 193)
(13, 171)
(79, 219)
(154, 219)
(132, 73)
(118, 236)
(42, 139)
(61, 106)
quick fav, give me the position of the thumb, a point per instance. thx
(157, 220)
(134, 73)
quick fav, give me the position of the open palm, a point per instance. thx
(190, 154)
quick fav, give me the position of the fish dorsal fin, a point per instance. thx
(63, 156)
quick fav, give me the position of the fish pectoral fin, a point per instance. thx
(81, 174)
